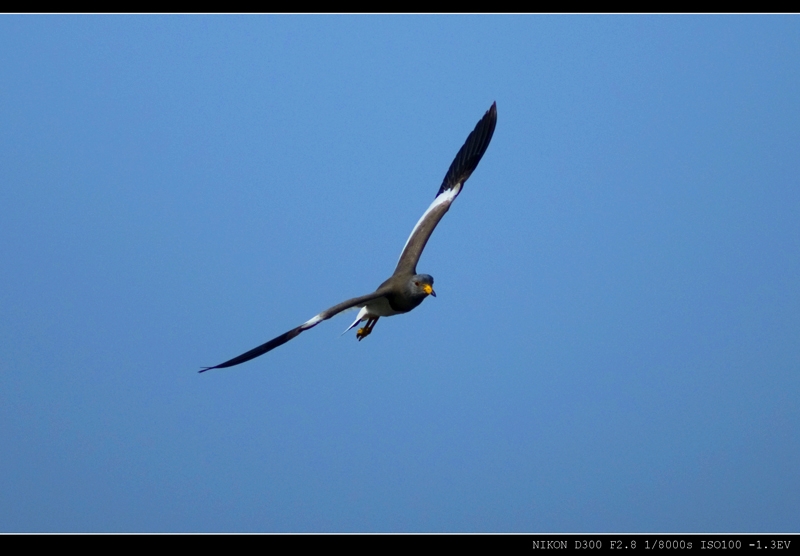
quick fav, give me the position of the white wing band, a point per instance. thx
(311, 322)
(445, 197)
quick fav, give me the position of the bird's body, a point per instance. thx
(402, 294)
(405, 289)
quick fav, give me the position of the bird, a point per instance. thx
(404, 290)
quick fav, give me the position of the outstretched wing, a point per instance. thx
(462, 167)
(294, 332)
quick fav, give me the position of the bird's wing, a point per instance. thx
(462, 167)
(294, 332)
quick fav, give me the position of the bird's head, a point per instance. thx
(422, 284)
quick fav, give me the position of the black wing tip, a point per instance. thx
(488, 121)
(221, 366)
(258, 351)
(472, 151)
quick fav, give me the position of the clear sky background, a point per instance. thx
(615, 345)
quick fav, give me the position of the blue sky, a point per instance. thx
(615, 344)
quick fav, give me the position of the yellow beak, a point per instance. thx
(429, 290)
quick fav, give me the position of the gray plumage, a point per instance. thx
(405, 289)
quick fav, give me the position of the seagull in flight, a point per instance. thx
(405, 289)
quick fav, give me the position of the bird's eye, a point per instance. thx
(416, 283)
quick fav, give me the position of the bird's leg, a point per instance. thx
(374, 322)
(364, 332)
